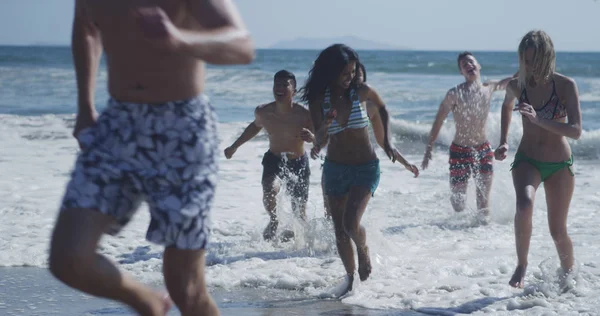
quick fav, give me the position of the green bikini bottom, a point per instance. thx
(546, 169)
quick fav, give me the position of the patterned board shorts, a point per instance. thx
(163, 154)
(467, 161)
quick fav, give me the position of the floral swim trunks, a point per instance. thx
(164, 154)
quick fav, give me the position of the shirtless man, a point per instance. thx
(470, 152)
(155, 141)
(288, 125)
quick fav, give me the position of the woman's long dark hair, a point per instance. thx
(326, 70)
(364, 71)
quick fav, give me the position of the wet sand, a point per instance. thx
(34, 291)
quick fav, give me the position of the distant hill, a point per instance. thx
(321, 43)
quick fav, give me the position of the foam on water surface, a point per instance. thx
(425, 257)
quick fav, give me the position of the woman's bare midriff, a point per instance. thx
(542, 145)
(350, 147)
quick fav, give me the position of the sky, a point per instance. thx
(478, 25)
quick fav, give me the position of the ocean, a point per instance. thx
(426, 258)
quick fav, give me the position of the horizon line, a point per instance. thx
(318, 49)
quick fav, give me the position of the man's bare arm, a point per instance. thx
(320, 126)
(445, 108)
(86, 47)
(307, 133)
(250, 131)
(501, 85)
(225, 39)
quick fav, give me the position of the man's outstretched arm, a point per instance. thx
(445, 108)
(501, 85)
(250, 132)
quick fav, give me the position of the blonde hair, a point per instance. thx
(544, 57)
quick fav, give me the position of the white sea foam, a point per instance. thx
(425, 257)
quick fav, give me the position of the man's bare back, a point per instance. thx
(284, 128)
(138, 70)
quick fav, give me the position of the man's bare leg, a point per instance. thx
(298, 192)
(483, 189)
(270, 191)
(75, 262)
(184, 278)
(299, 207)
(459, 195)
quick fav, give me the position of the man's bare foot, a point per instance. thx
(482, 217)
(167, 303)
(287, 235)
(518, 277)
(364, 263)
(270, 230)
(156, 304)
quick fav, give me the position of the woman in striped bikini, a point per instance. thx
(361, 78)
(341, 117)
(549, 106)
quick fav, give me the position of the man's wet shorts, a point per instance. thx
(295, 172)
(467, 161)
(164, 154)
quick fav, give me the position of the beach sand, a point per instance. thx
(34, 291)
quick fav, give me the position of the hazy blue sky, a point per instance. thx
(417, 24)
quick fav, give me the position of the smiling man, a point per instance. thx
(288, 126)
(470, 152)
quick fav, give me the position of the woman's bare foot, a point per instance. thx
(349, 281)
(518, 277)
(364, 263)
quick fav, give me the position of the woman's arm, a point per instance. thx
(572, 128)
(380, 121)
(507, 109)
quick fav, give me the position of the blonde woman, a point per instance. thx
(549, 107)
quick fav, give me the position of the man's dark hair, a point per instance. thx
(285, 75)
(461, 56)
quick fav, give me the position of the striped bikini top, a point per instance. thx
(552, 110)
(358, 116)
